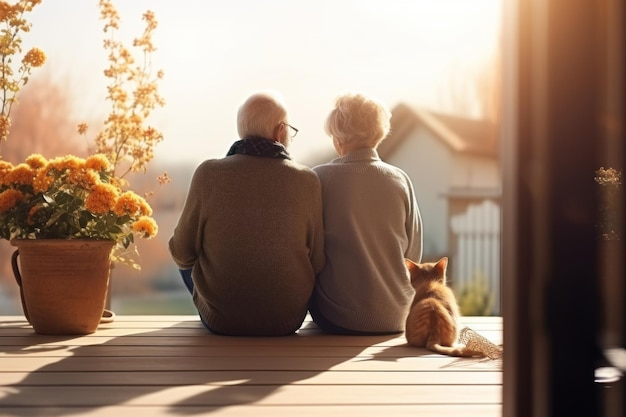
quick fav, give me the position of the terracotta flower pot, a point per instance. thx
(63, 283)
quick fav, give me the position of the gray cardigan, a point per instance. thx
(372, 222)
(252, 231)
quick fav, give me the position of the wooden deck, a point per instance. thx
(154, 366)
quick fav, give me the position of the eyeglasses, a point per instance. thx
(292, 130)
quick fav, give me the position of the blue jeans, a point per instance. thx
(186, 274)
(188, 281)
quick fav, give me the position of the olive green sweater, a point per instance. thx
(252, 231)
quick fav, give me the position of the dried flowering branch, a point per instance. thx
(13, 23)
(126, 138)
(608, 177)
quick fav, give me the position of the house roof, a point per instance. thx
(478, 137)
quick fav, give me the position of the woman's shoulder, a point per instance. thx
(392, 169)
(327, 167)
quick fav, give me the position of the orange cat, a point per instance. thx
(432, 320)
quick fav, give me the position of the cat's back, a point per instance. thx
(432, 316)
(432, 297)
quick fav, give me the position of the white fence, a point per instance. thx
(476, 246)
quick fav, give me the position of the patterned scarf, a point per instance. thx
(256, 146)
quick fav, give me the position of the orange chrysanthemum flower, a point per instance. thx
(36, 161)
(22, 174)
(5, 168)
(43, 180)
(64, 163)
(131, 204)
(146, 226)
(102, 198)
(9, 199)
(90, 179)
(97, 162)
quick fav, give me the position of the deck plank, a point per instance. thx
(421, 410)
(228, 395)
(116, 364)
(63, 378)
(52, 350)
(168, 365)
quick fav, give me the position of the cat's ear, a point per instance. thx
(443, 264)
(410, 264)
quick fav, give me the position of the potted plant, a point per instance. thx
(70, 217)
(65, 216)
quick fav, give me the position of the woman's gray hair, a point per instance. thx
(358, 119)
(260, 114)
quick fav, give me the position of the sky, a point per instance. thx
(216, 53)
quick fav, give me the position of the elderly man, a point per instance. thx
(249, 241)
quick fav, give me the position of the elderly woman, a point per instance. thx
(371, 224)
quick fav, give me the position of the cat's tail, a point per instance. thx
(470, 344)
(457, 351)
(443, 336)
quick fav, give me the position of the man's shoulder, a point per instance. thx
(301, 170)
(298, 166)
(208, 164)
